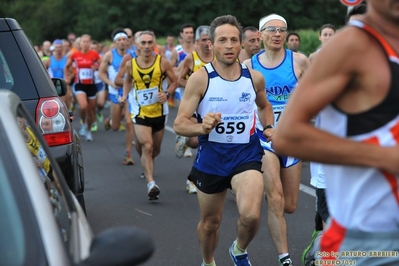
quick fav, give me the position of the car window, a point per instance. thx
(20, 242)
(47, 171)
(14, 74)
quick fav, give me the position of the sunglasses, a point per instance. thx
(272, 29)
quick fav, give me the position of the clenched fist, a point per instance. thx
(210, 121)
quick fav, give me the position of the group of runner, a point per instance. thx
(218, 86)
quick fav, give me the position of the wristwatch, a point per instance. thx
(167, 94)
(267, 127)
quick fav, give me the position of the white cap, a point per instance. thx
(270, 17)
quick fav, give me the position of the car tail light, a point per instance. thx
(52, 118)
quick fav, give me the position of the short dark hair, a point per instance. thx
(116, 31)
(327, 26)
(356, 10)
(185, 26)
(293, 33)
(250, 28)
(222, 20)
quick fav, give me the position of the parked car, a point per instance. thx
(41, 220)
(22, 72)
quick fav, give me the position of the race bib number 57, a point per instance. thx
(232, 129)
(147, 96)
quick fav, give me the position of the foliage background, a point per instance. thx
(52, 19)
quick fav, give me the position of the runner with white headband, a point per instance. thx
(108, 70)
(281, 69)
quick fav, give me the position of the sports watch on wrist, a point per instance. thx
(267, 127)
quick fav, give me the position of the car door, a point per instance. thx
(74, 229)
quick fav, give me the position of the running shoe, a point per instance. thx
(128, 159)
(188, 152)
(180, 146)
(307, 255)
(83, 129)
(142, 176)
(94, 127)
(153, 192)
(122, 127)
(89, 137)
(190, 187)
(171, 102)
(287, 262)
(239, 260)
(100, 117)
(107, 123)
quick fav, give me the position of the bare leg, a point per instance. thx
(248, 187)
(82, 101)
(275, 202)
(129, 130)
(211, 206)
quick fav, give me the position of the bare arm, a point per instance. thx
(122, 70)
(330, 74)
(185, 70)
(128, 82)
(301, 64)
(173, 58)
(183, 126)
(103, 70)
(170, 74)
(265, 110)
(68, 66)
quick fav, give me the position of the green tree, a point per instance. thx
(51, 19)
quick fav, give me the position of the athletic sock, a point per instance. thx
(210, 264)
(150, 184)
(237, 250)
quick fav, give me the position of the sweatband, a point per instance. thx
(120, 34)
(268, 18)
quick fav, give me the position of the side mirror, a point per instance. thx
(60, 86)
(121, 246)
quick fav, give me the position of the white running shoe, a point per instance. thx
(190, 187)
(153, 191)
(89, 137)
(83, 129)
(188, 152)
(180, 146)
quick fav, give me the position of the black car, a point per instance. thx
(22, 72)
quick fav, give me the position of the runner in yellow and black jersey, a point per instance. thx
(149, 104)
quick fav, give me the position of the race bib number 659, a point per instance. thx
(232, 129)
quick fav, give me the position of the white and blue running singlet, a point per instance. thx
(233, 141)
(280, 84)
(113, 69)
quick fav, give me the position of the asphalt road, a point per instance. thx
(115, 196)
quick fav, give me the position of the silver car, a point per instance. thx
(41, 222)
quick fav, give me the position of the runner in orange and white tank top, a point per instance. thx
(358, 137)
